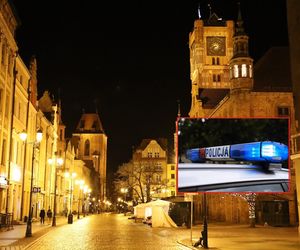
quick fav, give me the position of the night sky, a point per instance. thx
(129, 58)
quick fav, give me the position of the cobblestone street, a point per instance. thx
(116, 231)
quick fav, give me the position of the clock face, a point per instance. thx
(215, 45)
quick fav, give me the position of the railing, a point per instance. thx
(6, 221)
(295, 144)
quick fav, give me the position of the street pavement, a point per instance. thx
(8, 238)
(116, 231)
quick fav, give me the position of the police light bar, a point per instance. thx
(263, 151)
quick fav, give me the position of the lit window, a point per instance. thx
(235, 71)
(244, 70)
(250, 71)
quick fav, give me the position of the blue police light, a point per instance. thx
(246, 151)
(193, 155)
(274, 151)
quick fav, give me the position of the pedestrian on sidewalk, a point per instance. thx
(49, 215)
(42, 215)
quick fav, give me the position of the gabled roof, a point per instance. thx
(214, 20)
(90, 123)
(272, 72)
(163, 143)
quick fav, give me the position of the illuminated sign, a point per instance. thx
(219, 152)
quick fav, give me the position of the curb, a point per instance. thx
(186, 246)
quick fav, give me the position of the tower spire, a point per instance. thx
(239, 30)
(178, 107)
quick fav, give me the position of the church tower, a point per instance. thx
(241, 64)
(92, 148)
(211, 48)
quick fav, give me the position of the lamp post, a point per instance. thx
(36, 143)
(86, 190)
(57, 162)
(124, 191)
(71, 176)
(80, 183)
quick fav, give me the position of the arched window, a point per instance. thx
(214, 78)
(235, 71)
(218, 61)
(213, 61)
(244, 70)
(218, 78)
(87, 148)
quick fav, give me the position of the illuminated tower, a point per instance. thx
(241, 64)
(211, 48)
(92, 147)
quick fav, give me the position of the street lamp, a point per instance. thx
(124, 191)
(80, 183)
(86, 190)
(72, 176)
(57, 162)
(36, 143)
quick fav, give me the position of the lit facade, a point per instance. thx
(151, 159)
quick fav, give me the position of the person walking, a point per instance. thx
(49, 215)
(42, 215)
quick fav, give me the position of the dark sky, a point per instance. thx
(131, 58)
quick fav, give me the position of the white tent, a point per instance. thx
(139, 211)
(158, 210)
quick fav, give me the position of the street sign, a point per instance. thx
(36, 189)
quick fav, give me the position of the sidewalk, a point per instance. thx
(242, 237)
(16, 237)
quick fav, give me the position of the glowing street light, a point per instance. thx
(36, 143)
(71, 176)
(57, 162)
(80, 183)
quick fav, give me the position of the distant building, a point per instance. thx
(150, 157)
(92, 149)
(225, 84)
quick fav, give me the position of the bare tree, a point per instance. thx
(251, 200)
(141, 177)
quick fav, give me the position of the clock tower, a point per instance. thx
(211, 48)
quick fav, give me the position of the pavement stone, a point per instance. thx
(15, 238)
